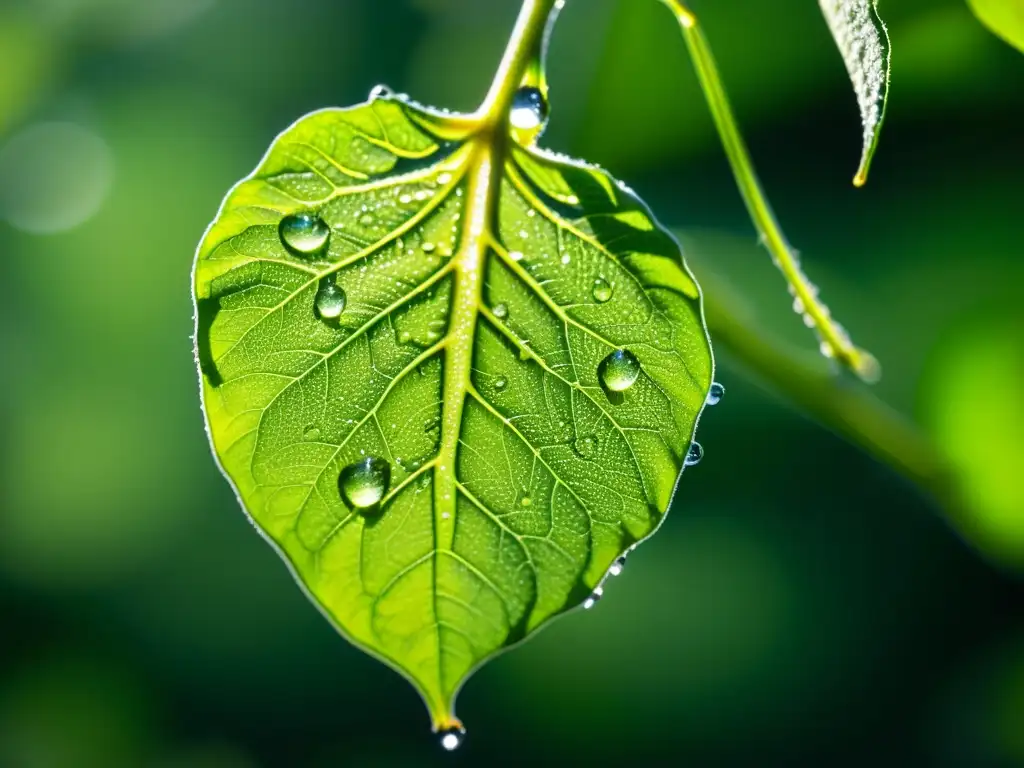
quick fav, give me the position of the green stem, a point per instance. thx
(838, 404)
(522, 57)
(835, 342)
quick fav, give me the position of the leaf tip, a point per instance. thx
(861, 178)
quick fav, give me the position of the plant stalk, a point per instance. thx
(835, 342)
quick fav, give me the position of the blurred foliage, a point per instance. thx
(1004, 17)
(802, 605)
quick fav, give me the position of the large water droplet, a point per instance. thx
(311, 433)
(529, 109)
(364, 483)
(619, 371)
(525, 500)
(618, 566)
(381, 92)
(500, 311)
(304, 234)
(500, 384)
(694, 455)
(602, 290)
(452, 738)
(591, 601)
(585, 447)
(330, 300)
(715, 394)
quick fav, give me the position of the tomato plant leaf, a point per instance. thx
(452, 377)
(863, 42)
(1004, 18)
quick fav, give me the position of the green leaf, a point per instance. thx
(1005, 18)
(863, 42)
(451, 377)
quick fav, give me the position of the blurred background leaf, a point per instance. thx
(1004, 17)
(803, 605)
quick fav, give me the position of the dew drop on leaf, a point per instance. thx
(618, 566)
(602, 290)
(585, 447)
(381, 92)
(591, 601)
(619, 371)
(529, 109)
(364, 483)
(694, 455)
(304, 234)
(500, 384)
(311, 433)
(451, 738)
(330, 301)
(500, 311)
(367, 220)
(525, 500)
(715, 394)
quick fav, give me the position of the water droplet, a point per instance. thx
(500, 311)
(529, 109)
(566, 258)
(364, 483)
(694, 455)
(591, 601)
(405, 199)
(311, 433)
(715, 394)
(619, 371)
(618, 566)
(431, 424)
(525, 500)
(827, 350)
(516, 255)
(500, 384)
(304, 234)
(404, 337)
(444, 178)
(367, 220)
(330, 301)
(381, 92)
(428, 247)
(602, 290)
(585, 447)
(452, 738)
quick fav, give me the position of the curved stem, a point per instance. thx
(835, 342)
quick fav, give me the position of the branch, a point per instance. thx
(839, 403)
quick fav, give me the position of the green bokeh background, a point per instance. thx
(802, 605)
